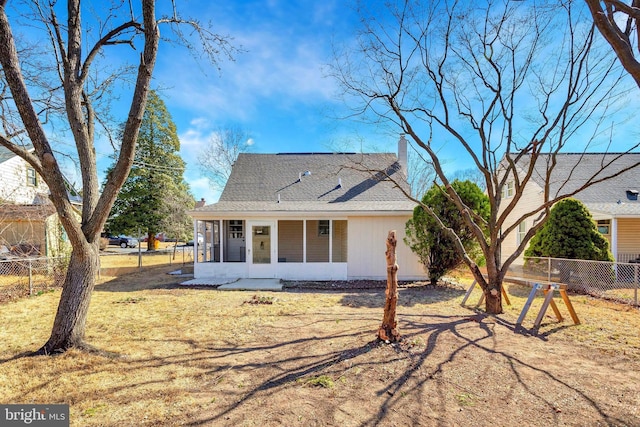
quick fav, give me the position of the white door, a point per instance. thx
(261, 249)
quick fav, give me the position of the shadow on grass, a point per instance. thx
(300, 365)
(275, 367)
(407, 297)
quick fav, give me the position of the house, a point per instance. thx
(28, 220)
(613, 203)
(307, 216)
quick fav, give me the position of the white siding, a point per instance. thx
(13, 174)
(531, 199)
(367, 237)
(629, 235)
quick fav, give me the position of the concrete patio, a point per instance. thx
(237, 284)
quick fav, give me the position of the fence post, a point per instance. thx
(30, 280)
(549, 269)
(635, 288)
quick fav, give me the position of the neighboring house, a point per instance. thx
(20, 183)
(307, 216)
(28, 220)
(613, 203)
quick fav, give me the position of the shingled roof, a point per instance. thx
(6, 154)
(614, 196)
(26, 213)
(304, 182)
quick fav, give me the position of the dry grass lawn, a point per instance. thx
(185, 356)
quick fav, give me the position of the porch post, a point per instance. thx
(304, 241)
(330, 241)
(195, 241)
(614, 238)
(221, 234)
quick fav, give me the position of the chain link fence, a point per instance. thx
(617, 281)
(22, 277)
(118, 263)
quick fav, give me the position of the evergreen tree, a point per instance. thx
(570, 232)
(154, 197)
(434, 246)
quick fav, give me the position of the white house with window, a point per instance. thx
(20, 182)
(313, 216)
(28, 221)
(613, 203)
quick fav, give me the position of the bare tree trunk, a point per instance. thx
(388, 330)
(493, 298)
(68, 330)
(151, 242)
(491, 284)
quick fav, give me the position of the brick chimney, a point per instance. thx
(402, 154)
(201, 203)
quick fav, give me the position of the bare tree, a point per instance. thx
(507, 85)
(617, 21)
(420, 172)
(82, 81)
(472, 174)
(220, 153)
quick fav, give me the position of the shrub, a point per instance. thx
(433, 246)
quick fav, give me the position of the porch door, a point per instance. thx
(261, 249)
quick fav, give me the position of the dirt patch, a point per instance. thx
(309, 358)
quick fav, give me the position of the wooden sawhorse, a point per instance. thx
(468, 294)
(548, 290)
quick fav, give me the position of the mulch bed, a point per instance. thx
(346, 285)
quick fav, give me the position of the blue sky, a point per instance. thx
(276, 90)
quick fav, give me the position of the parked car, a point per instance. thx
(123, 241)
(200, 240)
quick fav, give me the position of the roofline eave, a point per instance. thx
(196, 214)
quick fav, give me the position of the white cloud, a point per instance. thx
(278, 68)
(193, 138)
(200, 123)
(201, 189)
(250, 142)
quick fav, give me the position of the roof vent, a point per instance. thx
(632, 194)
(339, 182)
(301, 174)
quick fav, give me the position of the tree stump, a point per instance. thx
(388, 331)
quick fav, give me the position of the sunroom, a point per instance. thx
(283, 248)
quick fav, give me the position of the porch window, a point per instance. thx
(339, 241)
(317, 244)
(323, 227)
(290, 241)
(234, 240)
(208, 238)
